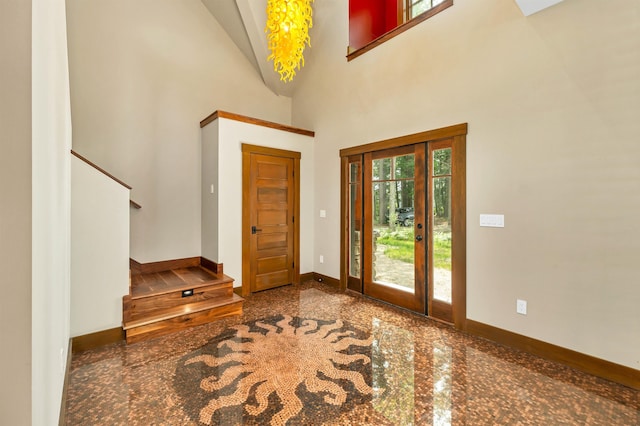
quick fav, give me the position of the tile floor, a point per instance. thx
(309, 355)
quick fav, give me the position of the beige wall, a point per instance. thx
(210, 202)
(143, 75)
(51, 197)
(15, 212)
(34, 225)
(552, 101)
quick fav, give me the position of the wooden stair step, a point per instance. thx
(168, 320)
(142, 306)
(154, 284)
(176, 311)
(155, 304)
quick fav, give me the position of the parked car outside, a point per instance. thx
(404, 216)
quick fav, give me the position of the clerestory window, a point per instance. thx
(372, 22)
(414, 8)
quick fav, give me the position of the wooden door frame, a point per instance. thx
(458, 133)
(247, 151)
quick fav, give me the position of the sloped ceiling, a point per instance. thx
(244, 21)
(227, 14)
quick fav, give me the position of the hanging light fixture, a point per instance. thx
(288, 23)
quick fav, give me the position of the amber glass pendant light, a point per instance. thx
(288, 23)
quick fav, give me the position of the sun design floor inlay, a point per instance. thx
(275, 370)
(310, 355)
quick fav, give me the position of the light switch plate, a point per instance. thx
(323, 213)
(492, 220)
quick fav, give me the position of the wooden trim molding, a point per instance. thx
(101, 170)
(212, 266)
(306, 277)
(459, 230)
(296, 214)
(334, 282)
(598, 367)
(97, 339)
(428, 136)
(246, 222)
(134, 204)
(265, 150)
(256, 121)
(164, 265)
(135, 267)
(351, 55)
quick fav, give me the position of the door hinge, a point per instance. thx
(293, 219)
(293, 265)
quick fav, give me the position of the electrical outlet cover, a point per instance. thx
(521, 306)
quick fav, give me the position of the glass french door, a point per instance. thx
(395, 229)
(400, 227)
(403, 222)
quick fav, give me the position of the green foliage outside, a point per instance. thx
(400, 245)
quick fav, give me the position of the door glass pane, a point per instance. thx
(355, 209)
(393, 215)
(442, 162)
(441, 220)
(354, 231)
(354, 172)
(404, 167)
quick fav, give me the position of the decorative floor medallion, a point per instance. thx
(277, 370)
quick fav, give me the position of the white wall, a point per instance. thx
(99, 249)
(231, 135)
(15, 212)
(552, 101)
(144, 73)
(51, 142)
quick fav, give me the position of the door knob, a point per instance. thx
(418, 237)
(255, 230)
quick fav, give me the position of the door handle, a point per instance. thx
(255, 230)
(418, 237)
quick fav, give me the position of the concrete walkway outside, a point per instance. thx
(388, 270)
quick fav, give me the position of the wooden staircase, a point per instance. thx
(162, 302)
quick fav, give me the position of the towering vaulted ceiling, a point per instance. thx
(244, 21)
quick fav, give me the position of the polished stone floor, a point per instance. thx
(309, 355)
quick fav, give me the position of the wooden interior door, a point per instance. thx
(269, 211)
